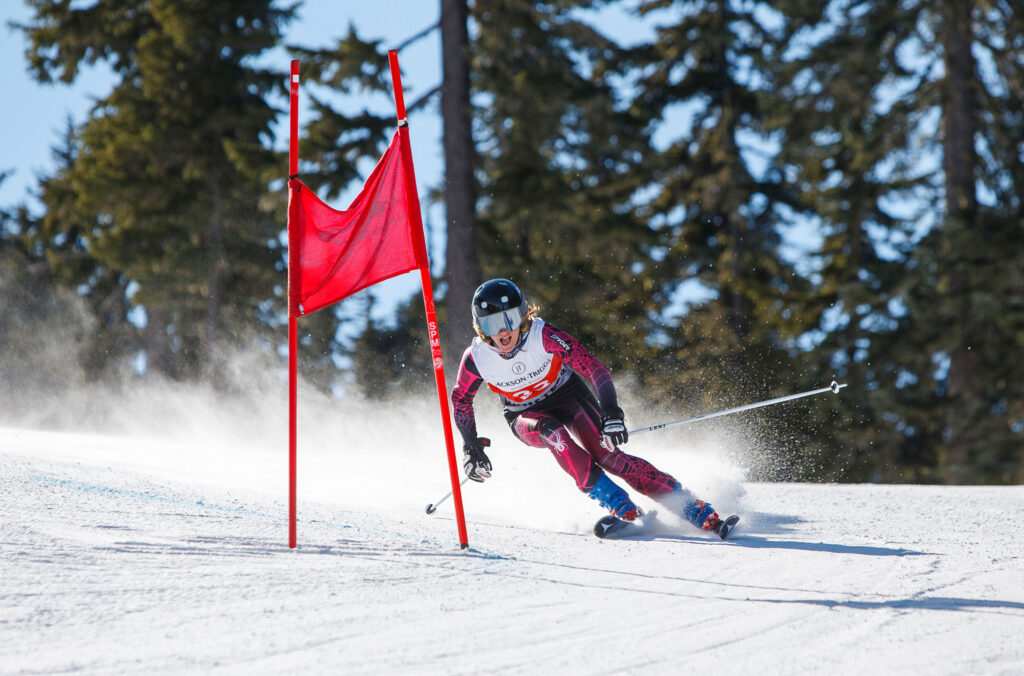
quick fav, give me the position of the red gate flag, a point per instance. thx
(342, 252)
(332, 254)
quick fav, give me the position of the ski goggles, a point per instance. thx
(509, 320)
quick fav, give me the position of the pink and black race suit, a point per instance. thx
(548, 405)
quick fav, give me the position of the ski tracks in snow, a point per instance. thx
(117, 570)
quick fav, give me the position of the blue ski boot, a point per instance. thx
(614, 499)
(699, 513)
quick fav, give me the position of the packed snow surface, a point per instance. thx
(125, 555)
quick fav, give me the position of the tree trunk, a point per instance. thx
(461, 266)
(218, 260)
(159, 356)
(959, 112)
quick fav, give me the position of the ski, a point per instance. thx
(611, 528)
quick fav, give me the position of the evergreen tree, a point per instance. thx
(44, 335)
(842, 135)
(559, 151)
(968, 290)
(920, 326)
(720, 203)
(57, 243)
(171, 165)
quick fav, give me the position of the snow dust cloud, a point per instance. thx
(363, 454)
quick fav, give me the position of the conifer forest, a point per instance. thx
(759, 199)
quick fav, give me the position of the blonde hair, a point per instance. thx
(531, 312)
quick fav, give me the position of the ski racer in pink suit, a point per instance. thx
(536, 371)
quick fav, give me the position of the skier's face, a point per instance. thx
(506, 340)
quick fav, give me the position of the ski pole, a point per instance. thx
(432, 507)
(833, 388)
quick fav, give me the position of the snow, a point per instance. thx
(125, 554)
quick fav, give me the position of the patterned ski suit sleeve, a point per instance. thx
(466, 387)
(581, 361)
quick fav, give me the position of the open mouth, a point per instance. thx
(505, 342)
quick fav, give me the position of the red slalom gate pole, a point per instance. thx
(293, 328)
(416, 223)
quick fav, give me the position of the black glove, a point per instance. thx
(614, 427)
(475, 462)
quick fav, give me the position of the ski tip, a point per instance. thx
(727, 526)
(603, 525)
(612, 527)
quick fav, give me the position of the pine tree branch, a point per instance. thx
(423, 99)
(417, 36)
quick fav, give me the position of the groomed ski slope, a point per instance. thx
(122, 555)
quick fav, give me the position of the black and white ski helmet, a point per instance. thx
(498, 304)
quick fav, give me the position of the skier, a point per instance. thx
(535, 369)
